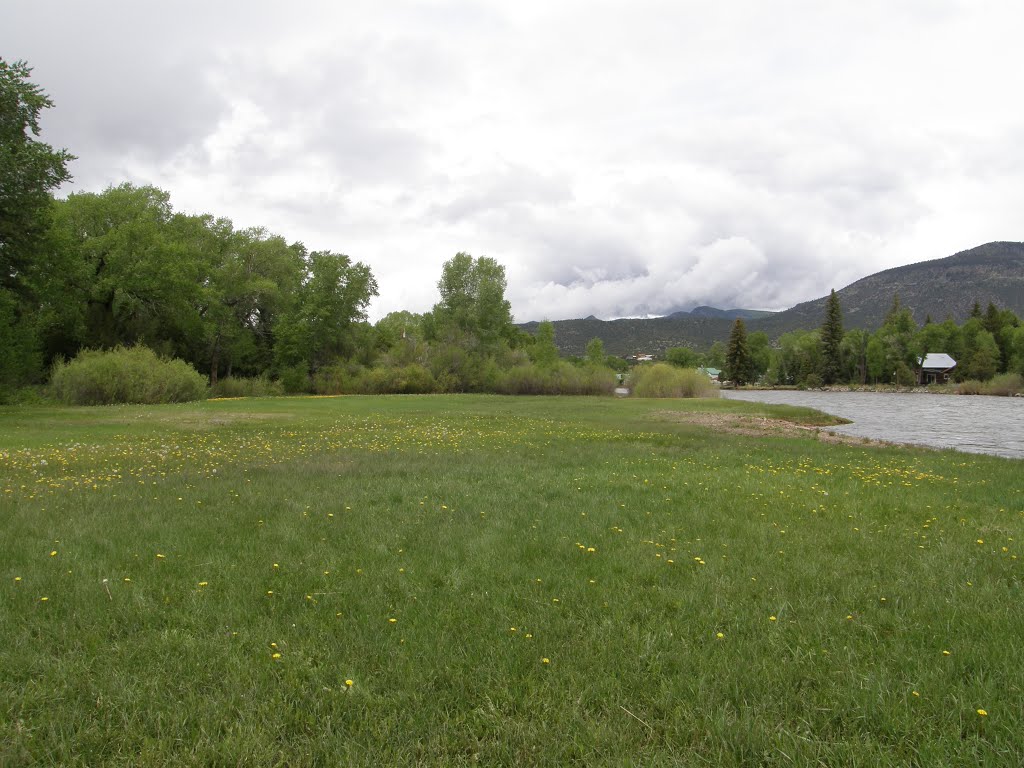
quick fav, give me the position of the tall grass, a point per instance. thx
(664, 380)
(125, 375)
(1005, 385)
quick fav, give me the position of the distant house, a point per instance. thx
(712, 373)
(934, 368)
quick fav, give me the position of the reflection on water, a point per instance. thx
(967, 423)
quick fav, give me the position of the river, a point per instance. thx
(976, 424)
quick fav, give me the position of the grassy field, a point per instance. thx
(448, 580)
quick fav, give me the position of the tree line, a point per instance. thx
(122, 268)
(987, 344)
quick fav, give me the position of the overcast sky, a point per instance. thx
(619, 158)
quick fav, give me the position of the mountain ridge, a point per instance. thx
(948, 286)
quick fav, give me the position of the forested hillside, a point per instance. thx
(940, 289)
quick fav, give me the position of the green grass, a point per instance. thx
(642, 557)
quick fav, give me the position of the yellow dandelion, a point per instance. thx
(349, 683)
(275, 655)
(915, 693)
(203, 583)
(545, 660)
(945, 653)
(270, 592)
(983, 713)
(772, 618)
(17, 579)
(53, 553)
(160, 557)
(719, 635)
(392, 621)
(43, 599)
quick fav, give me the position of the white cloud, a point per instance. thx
(618, 159)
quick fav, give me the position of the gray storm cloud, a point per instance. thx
(619, 161)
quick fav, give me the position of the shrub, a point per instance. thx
(258, 386)
(970, 387)
(349, 379)
(562, 378)
(125, 375)
(295, 379)
(664, 380)
(1005, 384)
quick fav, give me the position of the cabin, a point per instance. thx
(712, 373)
(934, 368)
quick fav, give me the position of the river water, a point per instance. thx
(976, 424)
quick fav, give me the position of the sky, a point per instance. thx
(620, 159)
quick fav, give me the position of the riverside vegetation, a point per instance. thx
(477, 579)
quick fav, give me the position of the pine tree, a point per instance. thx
(831, 341)
(738, 363)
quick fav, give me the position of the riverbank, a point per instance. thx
(1006, 385)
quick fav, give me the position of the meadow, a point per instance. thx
(450, 580)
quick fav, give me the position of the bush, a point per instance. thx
(1006, 384)
(562, 378)
(350, 379)
(295, 379)
(259, 386)
(664, 380)
(125, 375)
(970, 387)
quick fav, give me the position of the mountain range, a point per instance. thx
(939, 288)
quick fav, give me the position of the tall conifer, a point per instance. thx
(831, 341)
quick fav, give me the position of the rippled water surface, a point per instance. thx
(976, 424)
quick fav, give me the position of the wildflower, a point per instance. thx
(53, 553)
(719, 635)
(203, 583)
(270, 592)
(17, 579)
(545, 660)
(772, 618)
(43, 599)
(275, 655)
(945, 653)
(392, 621)
(983, 713)
(158, 556)
(915, 693)
(349, 683)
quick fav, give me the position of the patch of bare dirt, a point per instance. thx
(761, 426)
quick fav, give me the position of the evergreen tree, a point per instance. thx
(831, 341)
(738, 363)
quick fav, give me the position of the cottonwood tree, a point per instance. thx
(30, 170)
(473, 311)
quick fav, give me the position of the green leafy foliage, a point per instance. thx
(125, 375)
(664, 380)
